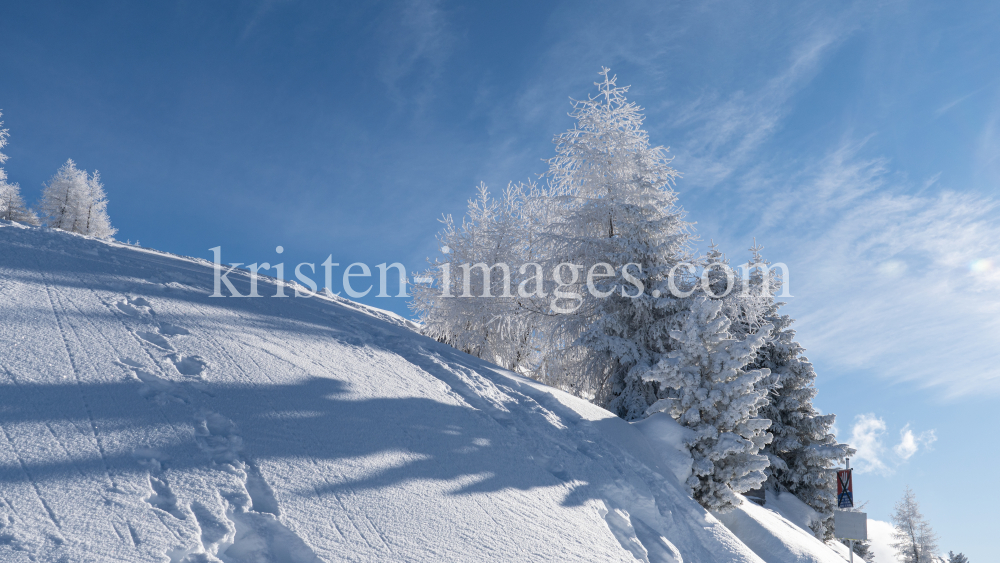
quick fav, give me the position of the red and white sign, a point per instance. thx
(845, 489)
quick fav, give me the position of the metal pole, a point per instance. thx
(852, 551)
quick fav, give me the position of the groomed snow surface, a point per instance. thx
(143, 420)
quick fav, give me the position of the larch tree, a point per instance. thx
(60, 196)
(480, 309)
(12, 206)
(913, 538)
(93, 217)
(75, 201)
(616, 215)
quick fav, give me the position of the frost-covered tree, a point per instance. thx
(614, 205)
(804, 452)
(716, 396)
(93, 213)
(913, 538)
(12, 206)
(957, 557)
(75, 201)
(61, 196)
(608, 200)
(478, 308)
(4, 135)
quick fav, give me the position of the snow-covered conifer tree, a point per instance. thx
(4, 134)
(804, 453)
(957, 557)
(615, 205)
(913, 538)
(75, 201)
(711, 391)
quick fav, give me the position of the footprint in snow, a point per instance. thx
(188, 365)
(136, 307)
(155, 339)
(163, 498)
(168, 329)
(159, 390)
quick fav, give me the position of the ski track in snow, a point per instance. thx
(144, 421)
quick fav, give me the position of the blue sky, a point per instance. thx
(858, 142)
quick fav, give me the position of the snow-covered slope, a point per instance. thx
(779, 531)
(145, 421)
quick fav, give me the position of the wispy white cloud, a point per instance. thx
(873, 455)
(866, 438)
(910, 284)
(727, 131)
(949, 105)
(909, 442)
(416, 44)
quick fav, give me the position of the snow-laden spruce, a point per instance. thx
(718, 398)
(12, 207)
(804, 453)
(608, 203)
(75, 201)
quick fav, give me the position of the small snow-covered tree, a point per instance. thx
(4, 135)
(93, 212)
(475, 304)
(75, 201)
(913, 538)
(12, 206)
(715, 395)
(957, 557)
(61, 195)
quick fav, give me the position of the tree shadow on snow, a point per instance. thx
(524, 440)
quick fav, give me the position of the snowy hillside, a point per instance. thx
(144, 421)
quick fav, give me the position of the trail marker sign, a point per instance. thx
(845, 489)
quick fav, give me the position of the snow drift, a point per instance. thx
(143, 420)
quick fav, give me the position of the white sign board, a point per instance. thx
(850, 525)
